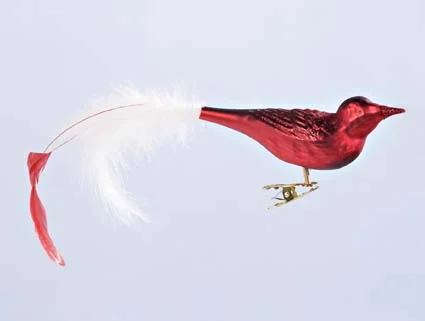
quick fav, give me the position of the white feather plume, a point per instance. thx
(128, 121)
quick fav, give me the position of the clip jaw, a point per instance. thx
(289, 191)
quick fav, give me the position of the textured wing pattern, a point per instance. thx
(302, 124)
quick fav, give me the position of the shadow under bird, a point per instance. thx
(129, 119)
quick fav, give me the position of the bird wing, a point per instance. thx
(302, 124)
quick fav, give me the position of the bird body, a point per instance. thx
(308, 138)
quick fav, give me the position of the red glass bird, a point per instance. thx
(308, 138)
(131, 120)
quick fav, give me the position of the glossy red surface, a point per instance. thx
(304, 137)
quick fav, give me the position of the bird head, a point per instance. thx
(358, 116)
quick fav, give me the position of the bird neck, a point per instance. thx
(360, 128)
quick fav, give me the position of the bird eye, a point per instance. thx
(359, 111)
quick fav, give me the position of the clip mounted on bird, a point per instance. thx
(128, 120)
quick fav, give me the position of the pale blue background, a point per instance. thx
(354, 250)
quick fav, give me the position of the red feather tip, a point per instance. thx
(36, 163)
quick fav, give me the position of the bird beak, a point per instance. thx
(390, 111)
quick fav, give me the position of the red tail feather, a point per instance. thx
(36, 163)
